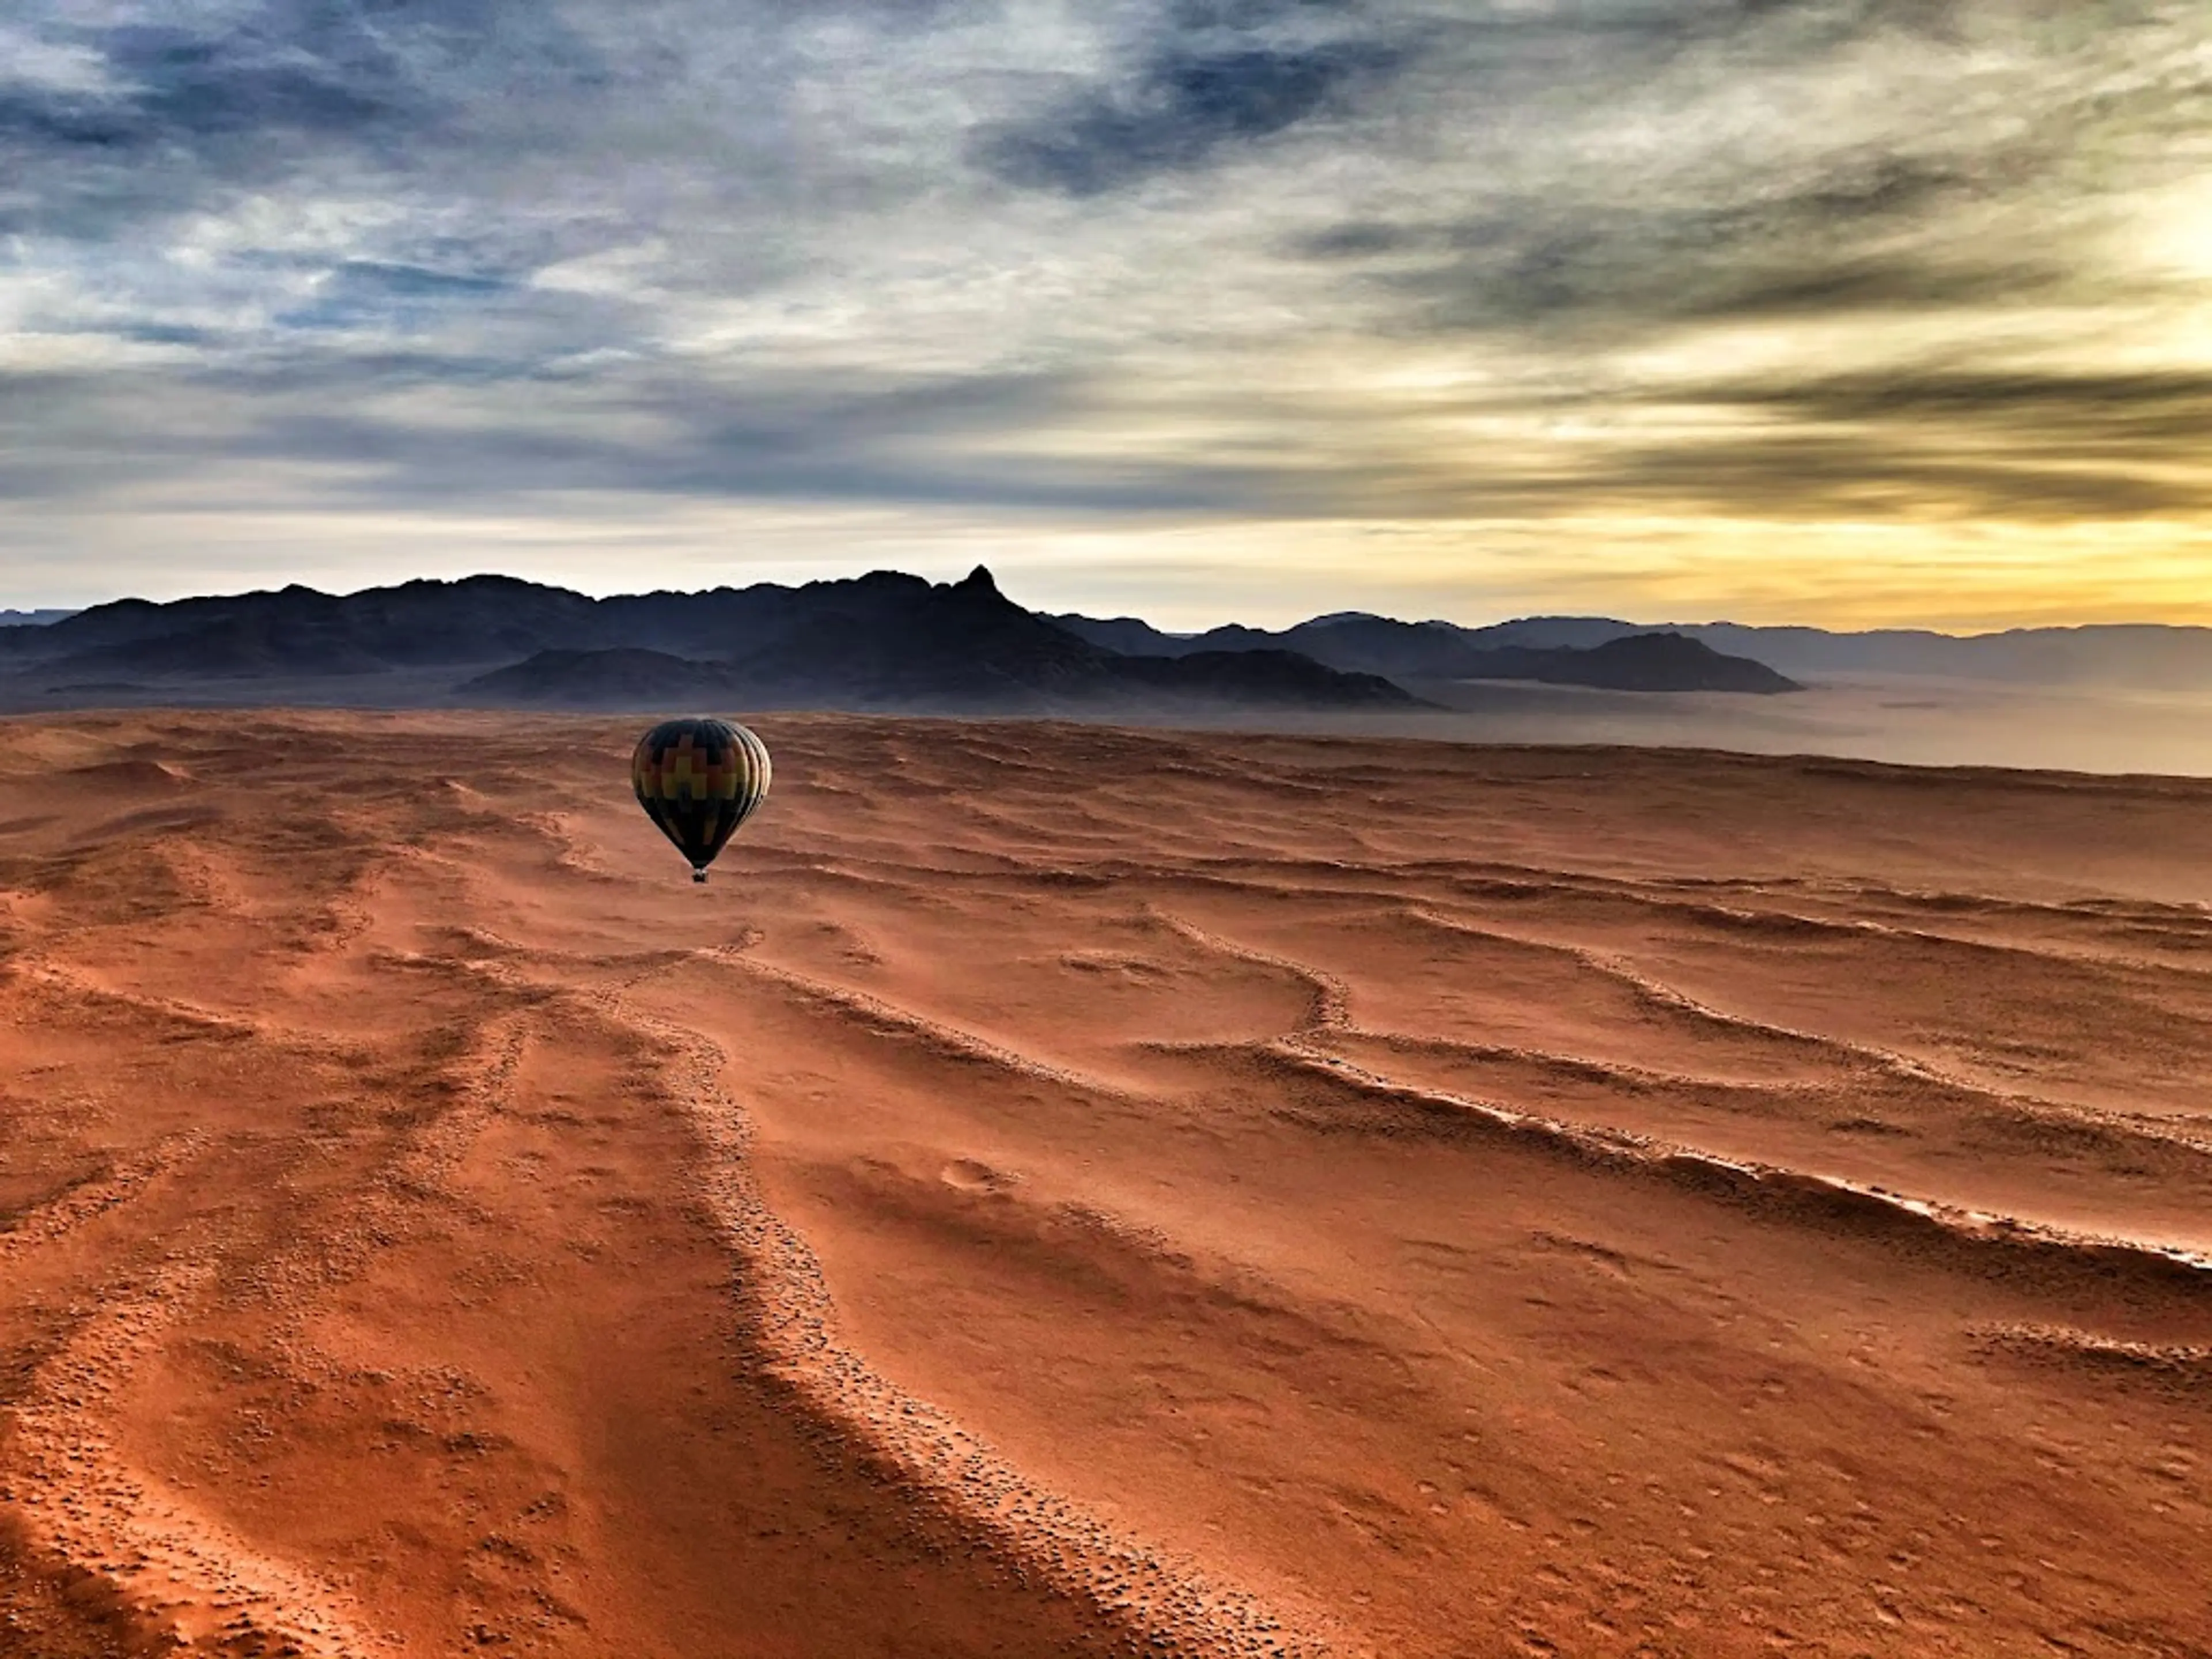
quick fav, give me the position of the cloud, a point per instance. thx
(1182, 109)
(169, 105)
(357, 291)
(1244, 261)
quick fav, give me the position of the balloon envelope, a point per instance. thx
(699, 779)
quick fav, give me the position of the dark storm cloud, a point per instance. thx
(2057, 413)
(358, 291)
(1936, 443)
(1195, 82)
(853, 438)
(178, 87)
(1869, 236)
(1182, 109)
(195, 101)
(1811, 475)
(1860, 193)
(369, 276)
(310, 71)
(1964, 207)
(1595, 281)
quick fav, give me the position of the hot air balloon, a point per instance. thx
(698, 780)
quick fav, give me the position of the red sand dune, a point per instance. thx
(1072, 1191)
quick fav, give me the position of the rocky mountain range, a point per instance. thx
(487, 624)
(884, 641)
(2144, 656)
(1625, 660)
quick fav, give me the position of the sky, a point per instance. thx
(1842, 312)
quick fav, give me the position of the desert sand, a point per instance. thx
(1064, 1190)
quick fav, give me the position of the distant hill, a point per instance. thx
(1619, 659)
(32, 618)
(1637, 662)
(623, 674)
(297, 630)
(2139, 656)
(888, 640)
(879, 642)
(960, 646)
(2143, 656)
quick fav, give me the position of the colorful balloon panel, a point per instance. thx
(698, 780)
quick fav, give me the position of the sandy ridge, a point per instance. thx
(90, 1505)
(1170, 1605)
(1330, 1014)
(1708, 1171)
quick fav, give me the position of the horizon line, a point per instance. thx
(1173, 633)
